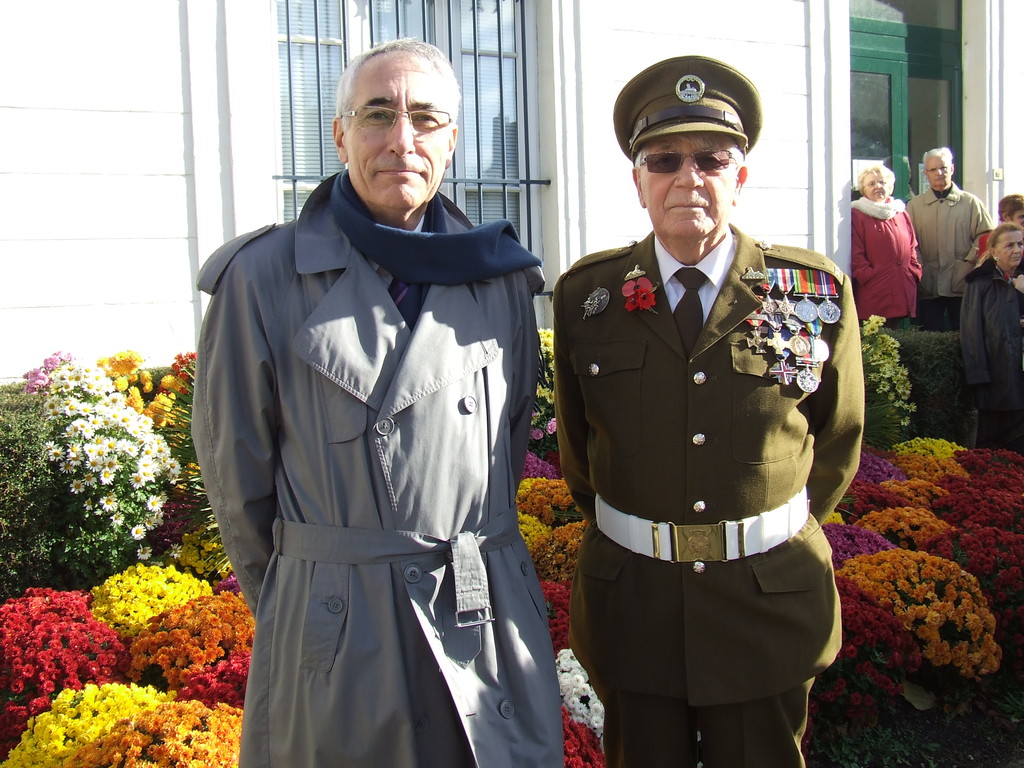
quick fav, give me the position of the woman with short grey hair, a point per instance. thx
(886, 267)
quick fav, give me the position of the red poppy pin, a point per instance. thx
(639, 291)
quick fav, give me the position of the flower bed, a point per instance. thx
(928, 546)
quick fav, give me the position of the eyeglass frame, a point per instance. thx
(734, 155)
(354, 113)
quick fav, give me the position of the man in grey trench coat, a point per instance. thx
(362, 406)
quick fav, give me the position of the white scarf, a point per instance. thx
(883, 211)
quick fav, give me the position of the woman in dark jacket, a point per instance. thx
(992, 340)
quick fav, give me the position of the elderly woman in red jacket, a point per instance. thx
(886, 268)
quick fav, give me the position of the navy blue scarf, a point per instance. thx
(433, 255)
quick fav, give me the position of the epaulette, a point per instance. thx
(600, 256)
(801, 256)
(210, 274)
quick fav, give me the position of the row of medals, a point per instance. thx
(793, 329)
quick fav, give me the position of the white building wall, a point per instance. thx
(993, 73)
(136, 137)
(124, 157)
(799, 168)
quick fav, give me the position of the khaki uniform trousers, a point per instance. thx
(648, 731)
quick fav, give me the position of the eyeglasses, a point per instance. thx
(376, 118)
(943, 169)
(710, 161)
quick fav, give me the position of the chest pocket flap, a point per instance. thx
(610, 376)
(346, 414)
(599, 359)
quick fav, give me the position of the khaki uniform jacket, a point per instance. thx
(356, 467)
(694, 442)
(947, 230)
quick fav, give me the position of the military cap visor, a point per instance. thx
(687, 94)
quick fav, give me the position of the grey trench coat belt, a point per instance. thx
(367, 546)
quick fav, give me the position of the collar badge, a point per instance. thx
(634, 273)
(751, 275)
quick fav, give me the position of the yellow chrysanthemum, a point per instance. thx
(928, 446)
(126, 601)
(834, 517)
(79, 717)
(203, 551)
(532, 529)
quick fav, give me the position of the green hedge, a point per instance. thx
(29, 492)
(944, 404)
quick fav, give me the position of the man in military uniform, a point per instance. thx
(709, 394)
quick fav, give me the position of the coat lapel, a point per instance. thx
(452, 338)
(661, 322)
(356, 337)
(354, 334)
(736, 300)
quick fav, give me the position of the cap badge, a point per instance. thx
(689, 88)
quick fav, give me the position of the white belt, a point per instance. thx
(725, 540)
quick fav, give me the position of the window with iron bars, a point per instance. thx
(491, 176)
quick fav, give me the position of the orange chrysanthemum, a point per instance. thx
(907, 527)
(938, 602)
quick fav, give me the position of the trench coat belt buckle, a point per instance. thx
(725, 540)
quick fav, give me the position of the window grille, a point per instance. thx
(488, 43)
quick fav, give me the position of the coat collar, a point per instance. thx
(955, 193)
(356, 337)
(735, 301)
(320, 245)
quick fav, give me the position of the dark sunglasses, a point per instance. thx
(711, 161)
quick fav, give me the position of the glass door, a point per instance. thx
(878, 117)
(930, 124)
(905, 93)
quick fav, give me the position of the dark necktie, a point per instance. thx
(689, 313)
(408, 298)
(398, 290)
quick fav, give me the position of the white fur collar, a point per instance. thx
(882, 211)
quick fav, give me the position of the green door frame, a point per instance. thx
(905, 51)
(898, 140)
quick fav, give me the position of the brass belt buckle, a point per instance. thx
(691, 543)
(697, 542)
